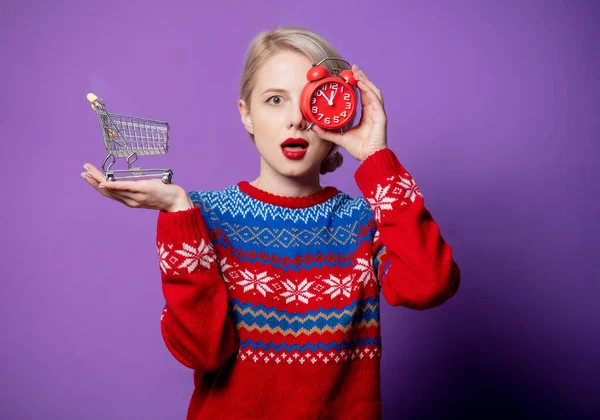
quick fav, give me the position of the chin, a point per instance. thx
(295, 172)
(296, 169)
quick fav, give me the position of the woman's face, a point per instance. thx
(273, 116)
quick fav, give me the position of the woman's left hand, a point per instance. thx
(370, 134)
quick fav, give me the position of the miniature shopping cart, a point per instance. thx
(131, 137)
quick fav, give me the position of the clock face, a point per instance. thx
(332, 103)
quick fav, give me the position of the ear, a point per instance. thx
(245, 116)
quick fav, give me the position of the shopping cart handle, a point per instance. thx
(92, 98)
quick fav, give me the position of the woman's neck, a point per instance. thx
(287, 186)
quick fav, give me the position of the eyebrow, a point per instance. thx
(275, 90)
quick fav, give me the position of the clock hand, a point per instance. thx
(324, 96)
(332, 96)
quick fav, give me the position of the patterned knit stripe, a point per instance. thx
(298, 258)
(283, 238)
(306, 257)
(231, 203)
(344, 345)
(326, 321)
(325, 337)
(295, 261)
(308, 330)
(331, 316)
(336, 322)
(366, 302)
(309, 357)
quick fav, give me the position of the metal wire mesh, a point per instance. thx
(124, 135)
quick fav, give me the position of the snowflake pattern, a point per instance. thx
(299, 292)
(224, 267)
(382, 200)
(203, 255)
(410, 187)
(256, 282)
(338, 286)
(162, 258)
(367, 271)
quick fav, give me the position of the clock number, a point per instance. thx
(348, 105)
(313, 100)
(321, 116)
(336, 119)
(343, 114)
(324, 87)
(334, 86)
(315, 109)
(328, 120)
(347, 97)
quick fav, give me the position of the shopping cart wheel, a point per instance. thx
(166, 178)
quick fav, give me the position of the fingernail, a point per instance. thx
(86, 167)
(102, 187)
(83, 176)
(357, 68)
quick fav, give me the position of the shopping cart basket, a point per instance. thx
(131, 137)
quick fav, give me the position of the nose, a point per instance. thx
(297, 120)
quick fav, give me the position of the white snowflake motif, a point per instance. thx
(381, 201)
(412, 190)
(224, 267)
(365, 266)
(204, 255)
(299, 292)
(162, 255)
(258, 281)
(338, 286)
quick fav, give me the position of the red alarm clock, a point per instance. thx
(328, 99)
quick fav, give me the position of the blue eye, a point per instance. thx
(275, 97)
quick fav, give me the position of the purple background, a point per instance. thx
(493, 107)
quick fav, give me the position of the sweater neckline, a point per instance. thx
(289, 202)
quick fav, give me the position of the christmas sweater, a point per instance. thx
(274, 301)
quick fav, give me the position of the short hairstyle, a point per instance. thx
(315, 47)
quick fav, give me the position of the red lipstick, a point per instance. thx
(294, 148)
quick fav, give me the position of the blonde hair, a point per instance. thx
(312, 45)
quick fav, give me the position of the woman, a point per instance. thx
(272, 286)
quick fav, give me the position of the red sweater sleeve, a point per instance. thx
(195, 322)
(414, 265)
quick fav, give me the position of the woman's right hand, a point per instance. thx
(147, 194)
